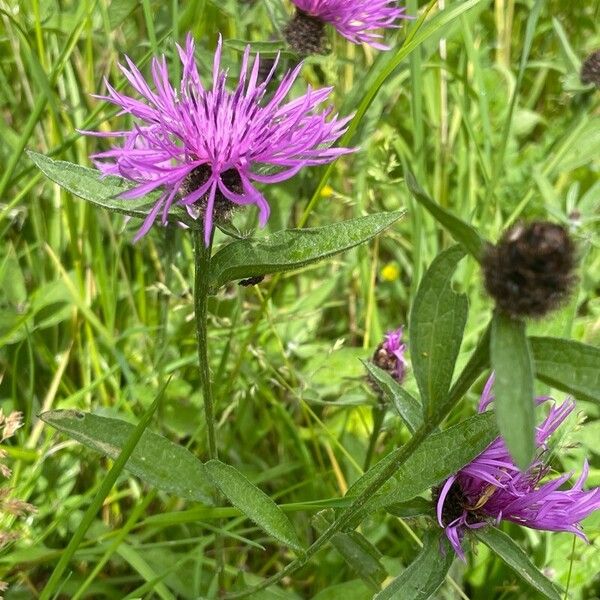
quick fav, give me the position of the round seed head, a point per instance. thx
(530, 271)
(590, 69)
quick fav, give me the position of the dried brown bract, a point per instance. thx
(530, 271)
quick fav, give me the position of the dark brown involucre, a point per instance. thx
(590, 70)
(306, 34)
(530, 271)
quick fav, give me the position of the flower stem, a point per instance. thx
(202, 267)
(202, 254)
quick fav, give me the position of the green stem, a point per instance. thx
(202, 254)
(202, 266)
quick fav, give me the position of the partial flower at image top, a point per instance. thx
(203, 146)
(357, 20)
(492, 489)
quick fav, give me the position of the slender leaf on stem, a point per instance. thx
(425, 574)
(567, 365)
(293, 248)
(265, 49)
(437, 323)
(254, 503)
(513, 387)
(439, 456)
(462, 232)
(129, 445)
(357, 551)
(103, 190)
(409, 408)
(504, 546)
(417, 507)
(155, 460)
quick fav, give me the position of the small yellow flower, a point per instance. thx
(390, 272)
(327, 191)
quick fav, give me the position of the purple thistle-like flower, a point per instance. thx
(389, 355)
(492, 488)
(356, 20)
(204, 146)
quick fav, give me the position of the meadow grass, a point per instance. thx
(489, 114)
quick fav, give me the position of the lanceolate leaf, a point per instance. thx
(254, 503)
(516, 559)
(409, 408)
(439, 456)
(436, 326)
(356, 549)
(265, 49)
(101, 190)
(567, 365)
(293, 248)
(155, 460)
(462, 232)
(513, 388)
(417, 507)
(425, 574)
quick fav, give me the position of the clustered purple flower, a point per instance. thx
(492, 488)
(389, 356)
(394, 346)
(207, 146)
(356, 20)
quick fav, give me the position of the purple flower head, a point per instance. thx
(389, 355)
(356, 20)
(491, 487)
(206, 147)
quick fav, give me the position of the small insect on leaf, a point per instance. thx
(251, 281)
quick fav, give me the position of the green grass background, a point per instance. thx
(90, 321)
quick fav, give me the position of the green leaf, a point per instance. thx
(409, 408)
(103, 191)
(155, 460)
(293, 248)
(417, 507)
(513, 388)
(266, 49)
(254, 503)
(439, 456)
(425, 574)
(516, 559)
(134, 436)
(569, 366)
(462, 232)
(436, 326)
(357, 551)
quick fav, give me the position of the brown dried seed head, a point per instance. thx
(11, 424)
(17, 508)
(530, 271)
(590, 69)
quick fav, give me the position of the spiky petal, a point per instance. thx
(216, 138)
